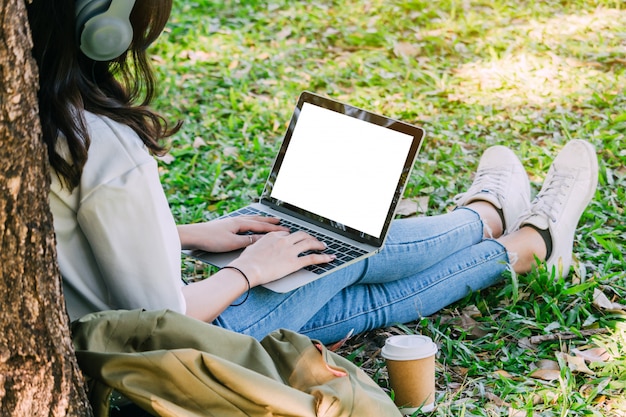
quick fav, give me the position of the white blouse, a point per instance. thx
(117, 243)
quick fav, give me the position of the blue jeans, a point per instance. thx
(427, 263)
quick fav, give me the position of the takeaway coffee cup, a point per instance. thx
(411, 365)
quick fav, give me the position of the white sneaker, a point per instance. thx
(567, 190)
(502, 181)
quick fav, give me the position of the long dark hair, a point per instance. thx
(121, 89)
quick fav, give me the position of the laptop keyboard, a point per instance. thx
(344, 251)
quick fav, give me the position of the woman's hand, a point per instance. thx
(277, 254)
(267, 257)
(227, 234)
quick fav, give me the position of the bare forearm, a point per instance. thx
(208, 298)
(188, 240)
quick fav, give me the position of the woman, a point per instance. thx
(119, 247)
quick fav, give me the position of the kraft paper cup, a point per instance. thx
(411, 365)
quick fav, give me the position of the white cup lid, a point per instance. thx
(408, 347)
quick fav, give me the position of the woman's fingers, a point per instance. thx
(258, 224)
(280, 253)
(306, 242)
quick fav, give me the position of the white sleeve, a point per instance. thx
(130, 228)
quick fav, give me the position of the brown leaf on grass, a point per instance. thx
(547, 364)
(525, 343)
(466, 323)
(575, 363)
(411, 207)
(197, 56)
(546, 369)
(503, 373)
(601, 301)
(198, 142)
(545, 374)
(230, 151)
(496, 400)
(454, 386)
(459, 370)
(595, 387)
(406, 49)
(406, 208)
(546, 396)
(472, 327)
(168, 158)
(472, 311)
(593, 355)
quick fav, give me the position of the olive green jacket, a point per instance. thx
(172, 365)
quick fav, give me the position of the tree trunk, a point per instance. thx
(38, 371)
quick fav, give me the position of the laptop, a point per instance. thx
(339, 175)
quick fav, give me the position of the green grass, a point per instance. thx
(527, 74)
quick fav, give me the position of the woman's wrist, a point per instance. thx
(245, 277)
(186, 236)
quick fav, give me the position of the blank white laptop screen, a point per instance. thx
(342, 168)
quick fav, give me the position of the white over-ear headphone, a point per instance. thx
(103, 27)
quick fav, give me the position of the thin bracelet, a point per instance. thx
(247, 282)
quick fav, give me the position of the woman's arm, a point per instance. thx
(272, 256)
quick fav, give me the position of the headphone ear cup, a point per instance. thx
(104, 30)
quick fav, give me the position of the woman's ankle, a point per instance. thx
(491, 217)
(527, 245)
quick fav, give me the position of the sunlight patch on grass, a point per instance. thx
(529, 79)
(597, 27)
(562, 62)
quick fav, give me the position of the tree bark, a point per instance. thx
(39, 375)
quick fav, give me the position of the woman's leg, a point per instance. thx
(435, 244)
(365, 307)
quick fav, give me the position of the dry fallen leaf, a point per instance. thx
(406, 208)
(593, 355)
(168, 158)
(472, 327)
(601, 301)
(496, 400)
(547, 364)
(525, 343)
(547, 369)
(576, 364)
(422, 204)
(405, 49)
(503, 373)
(230, 151)
(472, 311)
(411, 207)
(589, 389)
(198, 142)
(545, 374)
